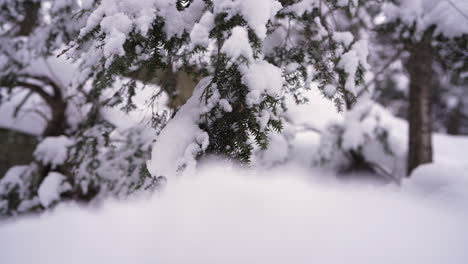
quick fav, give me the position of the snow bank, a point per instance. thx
(225, 215)
(449, 184)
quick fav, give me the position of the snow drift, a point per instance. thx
(227, 215)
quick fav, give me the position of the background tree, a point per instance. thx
(419, 28)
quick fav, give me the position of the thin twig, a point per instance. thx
(458, 9)
(21, 104)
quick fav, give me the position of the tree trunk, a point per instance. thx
(31, 18)
(419, 66)
(58, 122)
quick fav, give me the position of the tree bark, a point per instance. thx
(419, 67)
(58, 122)
(31, 18)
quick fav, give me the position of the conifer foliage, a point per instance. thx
(223, 69)
(119, 96)
(248, 55)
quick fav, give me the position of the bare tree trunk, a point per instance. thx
(419, 66)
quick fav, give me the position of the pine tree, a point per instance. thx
(249, 54)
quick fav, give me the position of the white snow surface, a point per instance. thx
(51, 187)
(291, 213)
(226, 215)
(447, 183)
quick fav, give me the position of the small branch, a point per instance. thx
(308, 127)
(458, 9)
(46, 81)
(303, 127)
(21, 104)
(39, 113)
(35, 88)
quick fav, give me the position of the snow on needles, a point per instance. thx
(262, 78)
(343, 37)
(350, 62)
(117, 18)
(181, 140)
(53, 150)
(238, 45)
(256, 13)
(200, 35)
(116, 28)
